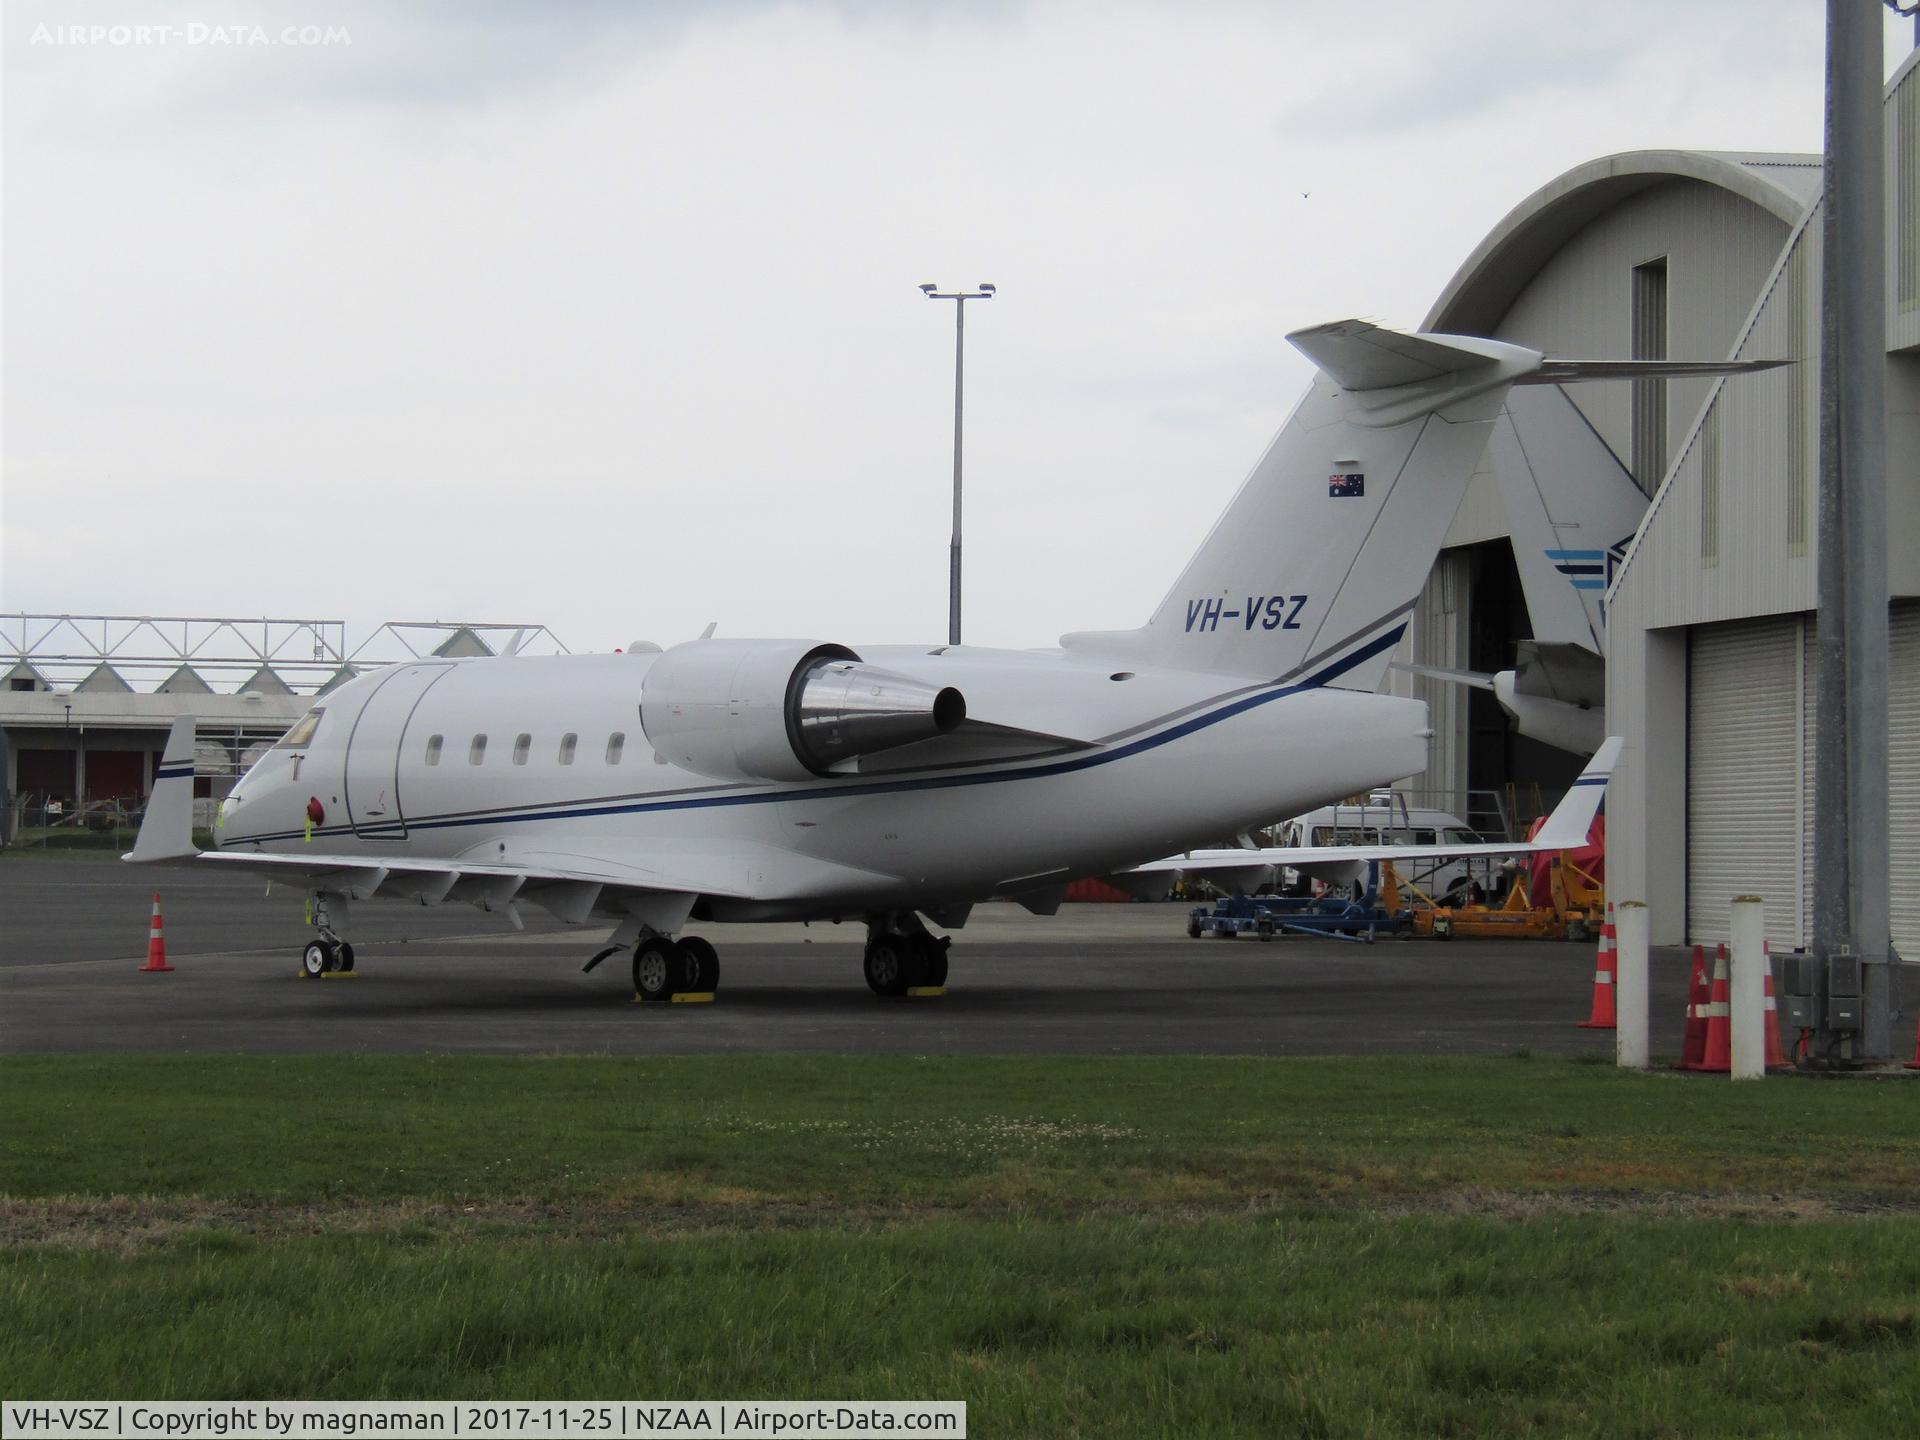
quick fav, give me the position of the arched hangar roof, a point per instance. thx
(1485, 287)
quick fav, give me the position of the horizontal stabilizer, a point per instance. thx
(1567, 372)
(1471, 678)
(1360, 356)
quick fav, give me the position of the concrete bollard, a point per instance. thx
(1746, 988)
(1630, 984)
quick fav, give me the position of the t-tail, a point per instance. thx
(1314, 569)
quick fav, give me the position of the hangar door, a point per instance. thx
(1903, 775)
(1746, 758)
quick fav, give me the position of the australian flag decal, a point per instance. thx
(1353, 483)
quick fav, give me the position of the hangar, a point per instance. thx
(1707, 603)
(85, 700)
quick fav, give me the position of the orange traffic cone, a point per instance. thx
(1776, 1057)
(1719, 1056)
(156, 941)
(1693, 1050)
(1604, 1016)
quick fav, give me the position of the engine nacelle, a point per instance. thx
(783, 709)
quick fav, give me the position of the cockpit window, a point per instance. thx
(303, 728)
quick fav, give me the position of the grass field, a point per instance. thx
(1099, 1247)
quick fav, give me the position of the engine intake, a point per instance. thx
(783, 709)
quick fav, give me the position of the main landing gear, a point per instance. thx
(902, 956)
(327, 953)
(663, 968)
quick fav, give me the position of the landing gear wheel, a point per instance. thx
(888, 964)
(657, 963)
(343, 961)
(317, 959)
(701, 966)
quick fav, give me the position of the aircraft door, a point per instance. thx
(373, 750)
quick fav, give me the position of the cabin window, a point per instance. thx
(567, 742)
(477, 751)
(303, 728)
(616, 742)
(521, 745)
(434, 743)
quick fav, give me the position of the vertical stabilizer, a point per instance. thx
(166, 830)
(1571, 510)
(1317, 562)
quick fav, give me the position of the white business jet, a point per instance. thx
(789, 779)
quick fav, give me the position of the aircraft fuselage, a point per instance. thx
(1077, 768)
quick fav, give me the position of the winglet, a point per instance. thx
(166, 831)
(1572, 818)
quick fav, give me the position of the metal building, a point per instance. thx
(1708, 611)
(86, 700)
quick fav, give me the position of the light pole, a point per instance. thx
(959, 298)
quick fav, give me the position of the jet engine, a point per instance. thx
(783, 709)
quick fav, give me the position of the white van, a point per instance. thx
(1381, 822)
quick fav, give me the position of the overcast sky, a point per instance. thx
(603, 315)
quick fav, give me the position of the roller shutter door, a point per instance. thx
(1903, 777)
(1744, 768)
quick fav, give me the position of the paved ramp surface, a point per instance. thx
(1095, 979)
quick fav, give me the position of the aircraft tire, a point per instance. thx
(654, 969)
(932, 964)
(888, 965)
(316, 959)
(702, 962)
(343, 961)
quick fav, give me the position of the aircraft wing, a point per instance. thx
(1566, 828)
(406, 877)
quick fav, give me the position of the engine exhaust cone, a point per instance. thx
(841, 709)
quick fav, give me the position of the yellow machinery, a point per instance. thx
(1575, 910)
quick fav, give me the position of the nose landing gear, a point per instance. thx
(328, 954)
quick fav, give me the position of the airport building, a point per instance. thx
(86, 700)
(1705, 603)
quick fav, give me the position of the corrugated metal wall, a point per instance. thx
(1745, 796)
(1437, 635)
(1903, 778)
(1719, 250)
(1903, 208)
(1749, 439)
